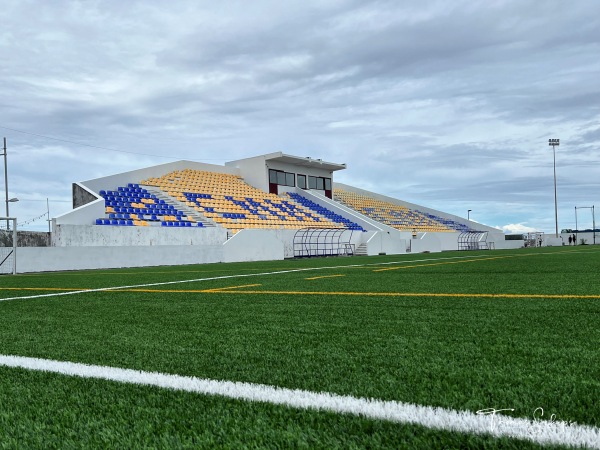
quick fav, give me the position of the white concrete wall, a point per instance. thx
(447, 241)
(401, 242)
(507, 245)
(107, 235)
(84, 215)
(427, 242)
(386, 242)
(253, 245)
(48, 259)
(253, 170)
(588, 237)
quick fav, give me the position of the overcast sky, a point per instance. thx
(447, 104)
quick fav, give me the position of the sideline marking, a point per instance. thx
(278, 272)
(42, 289)
(538, 431)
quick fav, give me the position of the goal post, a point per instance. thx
(8, 245)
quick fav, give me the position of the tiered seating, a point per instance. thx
(396, 216)
(450, 223)
(229, 201)
(132, 205)
(340, 220)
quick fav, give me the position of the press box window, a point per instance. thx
(281, 178)
(290, 179)
(273, 176)
(302, 181)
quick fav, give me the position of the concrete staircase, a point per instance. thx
(361, 250)
(191, 212)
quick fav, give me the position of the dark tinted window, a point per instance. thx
(289, 179)
(272, 176)
(302, 181)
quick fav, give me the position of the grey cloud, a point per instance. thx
(437, 102)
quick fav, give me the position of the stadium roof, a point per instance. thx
(302, 161)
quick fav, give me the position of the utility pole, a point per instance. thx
(555, 143)
(5, 181)
(6, 188)
(48, 211)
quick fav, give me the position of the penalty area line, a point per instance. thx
(541, 432)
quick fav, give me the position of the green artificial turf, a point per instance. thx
(52, 411)
(465, 353)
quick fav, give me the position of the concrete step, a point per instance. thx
(189, 211)
(361, 250)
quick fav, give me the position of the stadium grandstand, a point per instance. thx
(268, 207)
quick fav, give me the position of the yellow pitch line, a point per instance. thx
(442, 263)
(417, 294)
(325, 276)
(184, 291)
(231, 287)
(365, 294)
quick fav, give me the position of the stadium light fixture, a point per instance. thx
(555, 143)
(469, 214)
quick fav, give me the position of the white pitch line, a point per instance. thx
(242, 275)
(541, 432)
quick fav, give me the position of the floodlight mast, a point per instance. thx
(555, 143)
